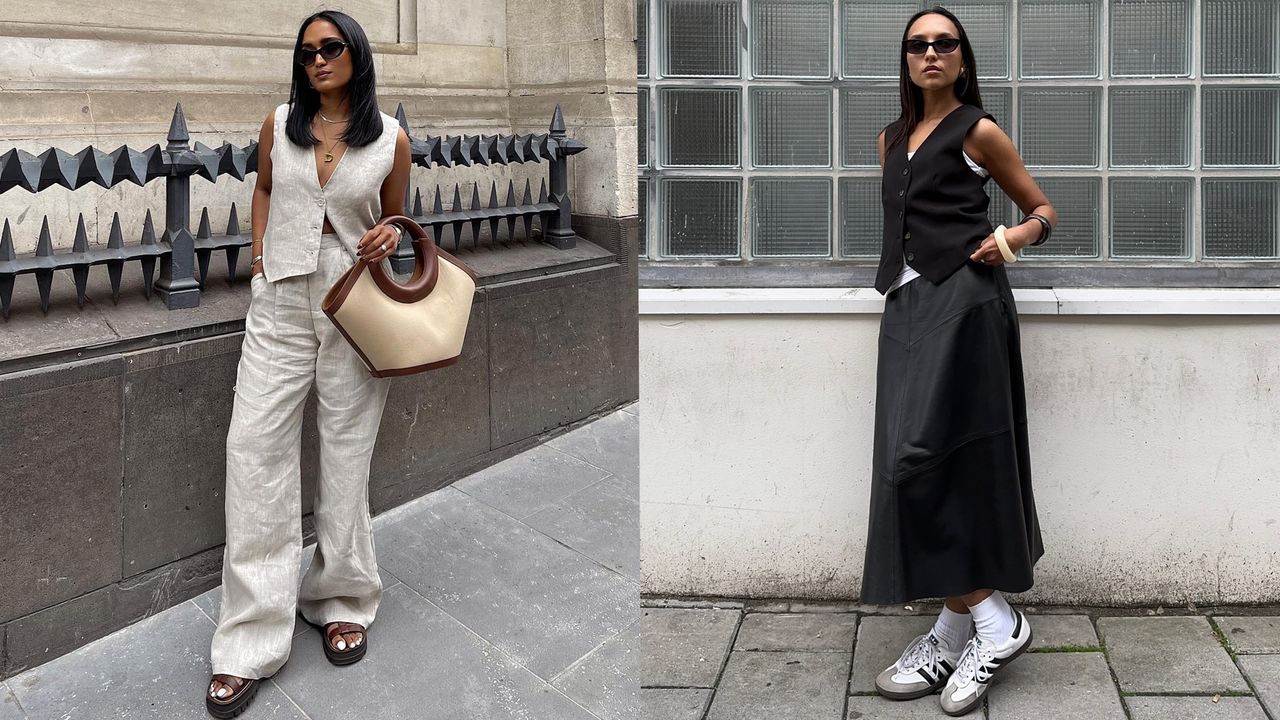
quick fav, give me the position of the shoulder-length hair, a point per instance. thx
(966, 88)
(304, 101)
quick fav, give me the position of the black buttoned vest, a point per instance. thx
(935, 206)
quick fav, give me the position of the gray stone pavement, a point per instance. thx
(733, 660)
(513, 593)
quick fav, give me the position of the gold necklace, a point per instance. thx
(328, 154)
(322, 117)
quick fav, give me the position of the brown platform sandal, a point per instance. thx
(242, 691)
(353, 652)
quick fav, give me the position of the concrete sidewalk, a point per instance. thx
(734, 661)
(513, 593)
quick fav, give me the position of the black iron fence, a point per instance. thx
(184, 259)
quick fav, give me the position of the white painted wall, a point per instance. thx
(1155, 439)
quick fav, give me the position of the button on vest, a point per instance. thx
(352, 198)
(934, 200)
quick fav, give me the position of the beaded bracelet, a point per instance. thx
(1048, 229)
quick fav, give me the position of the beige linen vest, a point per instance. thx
(352, 198)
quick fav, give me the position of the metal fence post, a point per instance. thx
(559, 230)
(177, 283)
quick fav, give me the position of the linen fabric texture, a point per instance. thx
(351, 198)
(289, 347)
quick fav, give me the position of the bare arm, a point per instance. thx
(880, 148)
(991, 148)
(380, 242)
(261, 206)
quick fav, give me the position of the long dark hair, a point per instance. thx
(966, 88)
(304, 100)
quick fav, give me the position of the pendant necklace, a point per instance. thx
(328, 154)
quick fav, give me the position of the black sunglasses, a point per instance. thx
(328, 51)
(943, 46)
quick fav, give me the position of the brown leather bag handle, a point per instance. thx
(426, 267)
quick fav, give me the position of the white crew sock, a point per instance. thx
(953, 629)
(993, 619)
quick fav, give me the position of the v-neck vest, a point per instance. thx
(935, 206)
(352, 198)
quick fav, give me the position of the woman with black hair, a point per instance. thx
(330, 164)
(952, 513)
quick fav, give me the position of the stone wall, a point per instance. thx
(1152, 437)
(79, 73)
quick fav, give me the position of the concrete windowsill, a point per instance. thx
(1064, 301)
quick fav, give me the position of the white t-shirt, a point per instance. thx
(909, 273)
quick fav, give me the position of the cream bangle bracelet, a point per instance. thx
(1003, 244)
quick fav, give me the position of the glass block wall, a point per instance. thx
(1152, 125)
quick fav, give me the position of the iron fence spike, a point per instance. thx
(148, 230)
(202, 265)
(115, 269)
(6, 243)
(178, 134)
(233, 259)
(557, 121)
(44, 282)
(80, 274)
(233, 222)
(81, 242)
(204, 230)
(115, 240)
(44, 246)
(148, 272)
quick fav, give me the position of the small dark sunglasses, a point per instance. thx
(329, 51)
(916, 46)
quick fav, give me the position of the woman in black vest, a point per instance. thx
(952, 513)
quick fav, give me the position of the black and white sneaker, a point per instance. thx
(923, 668)
(978, 663)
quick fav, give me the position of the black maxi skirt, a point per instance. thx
(951, 503)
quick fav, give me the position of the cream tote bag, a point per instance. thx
(405, 329)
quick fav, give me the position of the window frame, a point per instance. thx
(1042, 267)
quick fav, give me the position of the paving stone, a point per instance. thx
(874, 707)
(540, 602)
(881, 641)
(9, 709)
(601, 521)
(684, 647)
(1251, 635)
(531, 481)
(612, 443)
(1062, 631)
(756, 686)
(1062, 686)
(421, 664)
(607, 682)
(712, 604)
(811, 632)
(673, 703)
(1168, 654)
(158, 668)
(1264, 673)
(1194, 708)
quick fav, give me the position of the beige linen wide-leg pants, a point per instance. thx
(289, 344)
